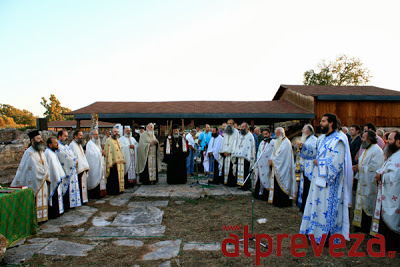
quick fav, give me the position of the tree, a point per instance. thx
(342, 71)
(13, 117)
(54, 110)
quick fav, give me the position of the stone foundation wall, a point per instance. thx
(13, 152)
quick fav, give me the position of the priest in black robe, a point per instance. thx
(175, 154)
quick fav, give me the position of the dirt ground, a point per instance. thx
(201, 220)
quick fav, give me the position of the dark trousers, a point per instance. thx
(247, 184)
(94, 193)
(306, 188)
(54, 210)
(256, 193)
(232, 178)
(280, 198)
(392, 239)
(113, 182)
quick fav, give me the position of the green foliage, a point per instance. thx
(13, 117)
(54, 110)
(342, 71)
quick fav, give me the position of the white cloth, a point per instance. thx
(307, 156)
(213, 147)
(83, 165)
(95, 160)
(245, 149)
(229, 143)
(326, 210)
(129, 153)
(283, 169)
(228, 146)
(190, 140)
(33, 171)
(42, 203)
(263, 170)
(370, 161)
(388, 199)
(143, 153)
(348, 170)
(70, 183)
(56, 173)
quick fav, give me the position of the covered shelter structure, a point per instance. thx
(298, 103)
(85, 125)
(352, 104)
(191, 113)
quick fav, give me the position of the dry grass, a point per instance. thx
(201, 220)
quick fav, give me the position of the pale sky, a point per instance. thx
(85, 51)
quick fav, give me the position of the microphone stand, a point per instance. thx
(252, 197)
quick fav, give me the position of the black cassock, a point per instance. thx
(176, 160)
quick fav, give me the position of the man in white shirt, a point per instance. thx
(190, 159)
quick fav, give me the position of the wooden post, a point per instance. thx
(167, 128)
(78, 124)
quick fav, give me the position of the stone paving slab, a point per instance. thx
(165, 264)
(66, 248)
(198, 246)
(128, 243)
(202, 246)
(133, 231)
(139, 216)
(163, 250)
(152, 190)
(39, 240)
(188, 190)
(102, 218)
(118, 201)
(74, 217)
(160, 203)
(22, 253)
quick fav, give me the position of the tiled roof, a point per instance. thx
(321, 90)
(84, 124)
(192, 107)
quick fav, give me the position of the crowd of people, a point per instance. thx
(335, 167)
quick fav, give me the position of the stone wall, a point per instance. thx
(13, 153)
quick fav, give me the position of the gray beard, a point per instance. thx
(96, 141)
(364, 145)
(229, 130)
(115, 137)
(278, 142)
(39, 146)
(303, 138)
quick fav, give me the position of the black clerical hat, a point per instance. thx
(175, 126)
(33, 134)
